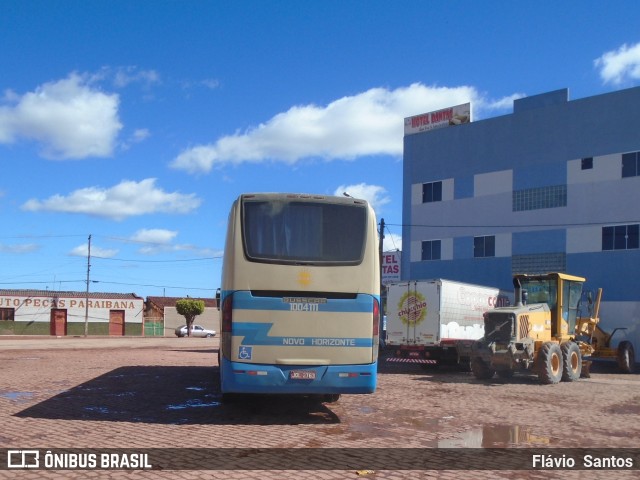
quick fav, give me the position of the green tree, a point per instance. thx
(190, 308)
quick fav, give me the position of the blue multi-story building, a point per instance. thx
(554, 186)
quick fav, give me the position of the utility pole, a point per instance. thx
(382, 296)
(86, 300)
(380, 247)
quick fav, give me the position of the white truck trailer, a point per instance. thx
(436, 321)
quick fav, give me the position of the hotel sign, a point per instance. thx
(440, 118)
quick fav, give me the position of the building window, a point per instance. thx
(539, 263)
(587, 163)
(630, 164)
(431, 192)
(538, 198)
(621, 237)
(431, 250)
(7, 314)
(484, 246)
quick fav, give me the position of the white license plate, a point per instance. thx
(302, 375)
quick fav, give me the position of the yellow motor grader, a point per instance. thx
(588, 331)
(542, 332)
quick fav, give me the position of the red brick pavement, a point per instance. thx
(140, 393)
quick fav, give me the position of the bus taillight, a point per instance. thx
(376, 317)
(226, 314)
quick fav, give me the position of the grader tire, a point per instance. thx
(481, 370)
(550, 363)
(626, 357)
(571, 361)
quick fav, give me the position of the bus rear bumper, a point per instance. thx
(303, 379)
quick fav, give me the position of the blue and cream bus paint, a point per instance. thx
(300, 296)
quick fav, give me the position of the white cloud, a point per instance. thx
(159, 241)
(83, 251)
(191, 249)
(128, 198)
(369, 123)
(620, 66)
(154, 235)
(69, 118)
(374, 194)
(141, 134)
(504, 103)
(391, 242)
(20, 248)
(123, 76)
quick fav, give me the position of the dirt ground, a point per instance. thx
(104, 394)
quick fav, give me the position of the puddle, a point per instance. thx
(103, 410)
(17, 396)
(193, 404)
(196, 389)
(367, 409)
(495, 436)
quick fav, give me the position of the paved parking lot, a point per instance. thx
(140, 394)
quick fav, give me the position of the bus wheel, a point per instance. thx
(331, 397)
(626, 357)
(572, 362)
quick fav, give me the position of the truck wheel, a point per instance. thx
(550, 363)
(572, 362)
(626, 357)
(481, 370)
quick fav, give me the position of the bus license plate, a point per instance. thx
(302, 375)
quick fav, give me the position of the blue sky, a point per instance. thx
(139, 123)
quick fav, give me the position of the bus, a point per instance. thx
(300, 297)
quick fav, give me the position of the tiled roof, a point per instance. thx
(55, 293)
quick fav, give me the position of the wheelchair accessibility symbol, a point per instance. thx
(245, 353)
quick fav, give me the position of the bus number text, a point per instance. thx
(304, 307)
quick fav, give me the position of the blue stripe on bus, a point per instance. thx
(258, 334)
(243, 300)
(235, 378)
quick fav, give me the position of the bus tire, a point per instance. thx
(229, 398)
(626, 357)
(331, 397)
(571, 361)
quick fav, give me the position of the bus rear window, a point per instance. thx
(304, 232)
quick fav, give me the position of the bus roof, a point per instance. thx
(302, 197)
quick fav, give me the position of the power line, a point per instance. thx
(391, 237)
(155, 286)
(44, 236)
(38, 282)
(540, 225)
(113, 259)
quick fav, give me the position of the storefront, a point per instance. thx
(37, 312)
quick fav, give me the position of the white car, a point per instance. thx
(196, 331)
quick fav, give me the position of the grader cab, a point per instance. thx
(536, 334)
